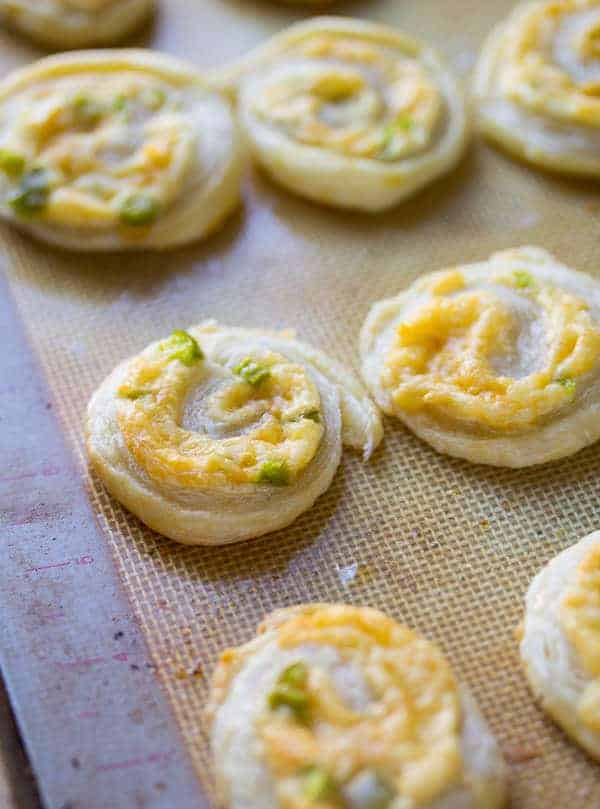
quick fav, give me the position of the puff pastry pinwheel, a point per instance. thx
(537, 85)
(221, 434)
(349, 113)
(341, 707)
(116, 149)
(65, 24)
(497, 362)
(560, 641)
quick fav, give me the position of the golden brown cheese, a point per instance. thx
(273, 420)
(411, 730)
(580, 620)
(101, 143)
(531, 75)
(441, 358)
(356, 98)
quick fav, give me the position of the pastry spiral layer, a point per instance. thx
(538, 85)
(340, 706)
(115, 149)
(221, 434)
(561, 639)
(497, 362)
(76, 23)
(349, 113)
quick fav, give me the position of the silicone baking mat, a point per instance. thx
(444, 546)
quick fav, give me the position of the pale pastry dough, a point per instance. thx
(537, 85)
(561, 641)
(65, 24)
(497, 362)
(221, 434)
(339, 706)
(349, 113)
(103, 150)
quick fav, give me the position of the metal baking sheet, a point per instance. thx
(445, 546)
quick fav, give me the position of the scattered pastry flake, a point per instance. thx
(522, 753)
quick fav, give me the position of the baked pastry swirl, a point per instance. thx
(115, 149)
(349, 113)
(340, 707)
(538, 85)
(221, 434)
(65, 24)
(497, 362)
(560, 640)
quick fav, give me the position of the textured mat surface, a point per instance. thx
(442, 545)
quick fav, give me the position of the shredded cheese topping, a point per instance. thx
(100, 139)
(261, 430)
(551, 64)
(459, 352)
(409, 732)
(353, 96)
(580, 620)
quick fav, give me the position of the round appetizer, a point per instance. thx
(349, 113)
(538, 85)
(219, 434)
(75, 23)
(497, 362)
(342, 708)
(117, 149)
(560, 645)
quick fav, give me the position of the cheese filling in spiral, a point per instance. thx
(115, 149)
(349, 113)
(343, 707)
(560, 640)
(580, 621)
(538, 84)
(76, 23)
(490, 353)
(220, 434)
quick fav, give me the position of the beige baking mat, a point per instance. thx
(445, 546)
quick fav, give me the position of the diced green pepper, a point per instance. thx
(134, 394)
(87, 111)
(120, 103)
(31, 196)
(153, 97)
(252, 372)
(402, 122)
(568, 384)
(139, 210)
(523, 279)
(183, 347)
(295, 675)
(290, 690)
(369, 790)
(287, 696)
(276, 473)
(313, 415)
(318, 785)
(11, 163)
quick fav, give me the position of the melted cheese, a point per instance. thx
(580, 619)
(102, 138)
(410, 730)
(245, 426)
(353, 97)
(444, 355)
(551, 62)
